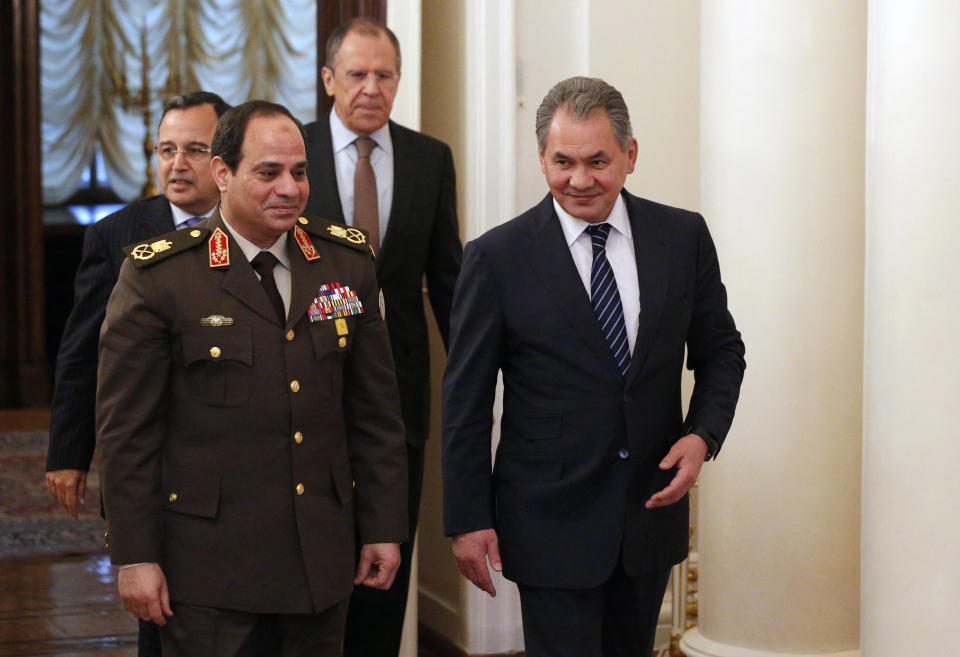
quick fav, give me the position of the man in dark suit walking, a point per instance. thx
(250, 430)
(585, 303)
(407, 202)
(183, 158)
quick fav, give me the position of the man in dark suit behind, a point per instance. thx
(250, 430)
(585, 303)
(417, 228)
(183, 157)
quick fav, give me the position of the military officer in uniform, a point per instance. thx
(248, 415)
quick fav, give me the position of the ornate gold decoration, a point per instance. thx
(142, 252)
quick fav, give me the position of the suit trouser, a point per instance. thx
(375, 619)
(616, 619)
(148, 639)
(195, 631)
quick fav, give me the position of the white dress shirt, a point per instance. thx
(620, 254)
(345, 162)
(281, 271)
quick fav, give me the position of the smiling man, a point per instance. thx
(250, 430)
(399, 186)
(586, 304)
(189, 194)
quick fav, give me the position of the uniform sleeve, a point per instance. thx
(469, 387)
(135, 350)
(374, 426)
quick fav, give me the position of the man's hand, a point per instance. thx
(68, 486)
(471, 551)
(687, 454)
(143, 589)
(378, 565)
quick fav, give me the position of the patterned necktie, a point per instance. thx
(264, 263)
(365, 213)
(193, 221)
(606, 299)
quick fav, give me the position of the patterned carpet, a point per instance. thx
(31, 522)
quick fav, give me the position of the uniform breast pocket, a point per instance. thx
(218, 364)
(332, 341)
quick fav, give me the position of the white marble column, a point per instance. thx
(782, 170)
(911, 446)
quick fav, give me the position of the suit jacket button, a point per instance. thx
(215, 352)
(624, 453)
(295, 386)
(289, 335)
(300, 489)
(342, 342)
(173, 497)
(298, 437)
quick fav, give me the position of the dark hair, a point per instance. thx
(581, 97)
(360, 25)
(232, 128)
(193, 99)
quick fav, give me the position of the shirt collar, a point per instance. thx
(180, 215)
(573, 227)
(342, 136)
(250, 250)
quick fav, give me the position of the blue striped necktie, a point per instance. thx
(606, 299)
(193, 221)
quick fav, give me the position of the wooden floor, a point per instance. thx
(63, 606)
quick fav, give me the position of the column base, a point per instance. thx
(694, 644)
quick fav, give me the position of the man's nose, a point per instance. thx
(286, 185)
(581, 178)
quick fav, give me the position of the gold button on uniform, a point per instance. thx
(298, 437)
(194, 233)
(289, 335)
(295, 385)
(342, 342)
(215, 352)
(300, 489)
(173, 497)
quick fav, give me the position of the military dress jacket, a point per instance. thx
(239, 454)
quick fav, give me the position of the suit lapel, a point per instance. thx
(549, 256)
(404, 168)
(158, 220)
(324, 197)
(653, 276)
(304, 279)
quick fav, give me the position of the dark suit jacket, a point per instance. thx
(579, 446)
(71, 413)
(422, 239)
(202, 449)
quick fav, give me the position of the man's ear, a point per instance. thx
(221, 173)
(326, 74)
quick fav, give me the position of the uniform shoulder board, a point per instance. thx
(348, 236)
(155, 249)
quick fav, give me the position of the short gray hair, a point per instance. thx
(360, 25)
(581, 97)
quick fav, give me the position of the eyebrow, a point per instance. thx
(195, 142)
(558, 155)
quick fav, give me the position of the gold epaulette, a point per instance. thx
(348, 236)
(155, 249)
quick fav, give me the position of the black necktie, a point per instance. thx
(264, 264)
(606, 299)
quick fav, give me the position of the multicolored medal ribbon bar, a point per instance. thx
(335, 300)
